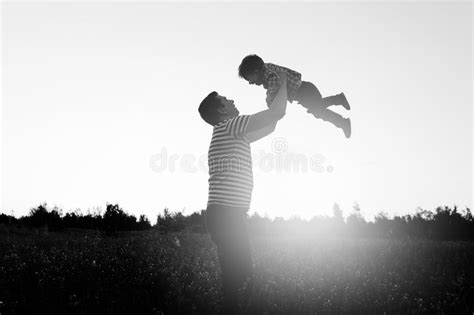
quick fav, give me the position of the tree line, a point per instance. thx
(444, 223)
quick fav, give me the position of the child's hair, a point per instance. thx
(208, 109)
(249, 65)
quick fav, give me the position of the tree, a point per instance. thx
(143, 223)
(41, 217)
(355, 221)
(337, 212)
(115, 219)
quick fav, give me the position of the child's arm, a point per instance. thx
(273, 86)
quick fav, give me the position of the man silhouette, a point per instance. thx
(231, 183)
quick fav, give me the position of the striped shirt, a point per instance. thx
(271, 81)
(230, 164)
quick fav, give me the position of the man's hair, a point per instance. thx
(208, 109)
(249, 64)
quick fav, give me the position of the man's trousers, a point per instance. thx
(228, 229)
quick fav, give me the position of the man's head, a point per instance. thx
(251, 69)
(216, 108)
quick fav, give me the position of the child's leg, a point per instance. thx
(338, 99)
(334, 118)
(308, 95)
(329, 116)
(310, 98)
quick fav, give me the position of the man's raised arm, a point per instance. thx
(271, 115)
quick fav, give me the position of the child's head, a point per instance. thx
(251, 68)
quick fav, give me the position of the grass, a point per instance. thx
(147, 272)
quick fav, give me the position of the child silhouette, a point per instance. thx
(255, 71)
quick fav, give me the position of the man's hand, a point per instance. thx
(275, 81)
(275, 112)
(283, 76)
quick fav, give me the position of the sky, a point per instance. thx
(99, 104)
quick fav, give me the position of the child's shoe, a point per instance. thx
(347, 128)
(344, 102)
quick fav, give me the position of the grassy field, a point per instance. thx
(145, 272)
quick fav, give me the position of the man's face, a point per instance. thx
(229, 106)
(254, 78)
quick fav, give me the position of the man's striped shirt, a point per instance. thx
(230, 164)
